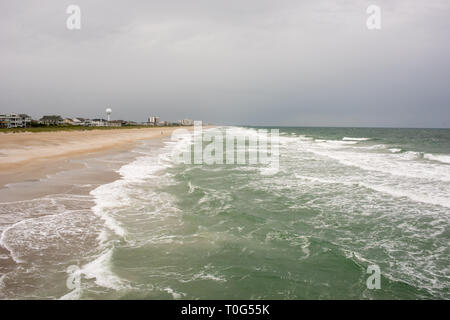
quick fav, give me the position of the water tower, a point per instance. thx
(108, 113)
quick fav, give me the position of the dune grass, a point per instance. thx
(71, 128)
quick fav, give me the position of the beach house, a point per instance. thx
(99, 123)
(186, 122)
(14, 120)
(51, 120)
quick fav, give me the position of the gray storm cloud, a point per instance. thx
(257, 62)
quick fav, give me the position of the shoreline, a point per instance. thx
(26, 156)
(61, 187)
(59, 204)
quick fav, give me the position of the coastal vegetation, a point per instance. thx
(73, 128)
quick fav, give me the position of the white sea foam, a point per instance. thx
(51, 236)
(374, 147)
(399, 164)
(107, 197)
(4, 244)
(208, 276)
(127, 194)
(437, 157)
(410, 155)
(116, 195)
(2, 278)
(175, 295)
(354, 139)
(415, 196)
(334, 144)
(413, 192)
(100, 270)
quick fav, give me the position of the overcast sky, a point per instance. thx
(259, 62)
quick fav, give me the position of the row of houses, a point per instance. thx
(55, 120)
(14, 120)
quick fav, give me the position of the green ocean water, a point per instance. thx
(342, 200)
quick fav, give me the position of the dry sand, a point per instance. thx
(30, 155)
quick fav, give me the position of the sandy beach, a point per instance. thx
(50, 175)
(29, 155)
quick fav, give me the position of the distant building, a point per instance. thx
(115, 123)
(74, 121)
(153, 120)
(122, 122)
(52, 120)
(79, 121)
(67, 121)
(14, 120)
(26, 120)
(99, 123)
(186, 122)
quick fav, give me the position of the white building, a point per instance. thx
(186, 122)
(114, 123)
(99, 123)
(51, 120)
(78, 121)
(14, 120)
(153, 120)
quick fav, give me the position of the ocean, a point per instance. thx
(342, 200)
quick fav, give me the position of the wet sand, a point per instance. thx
(48, 187)
(29, 156)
